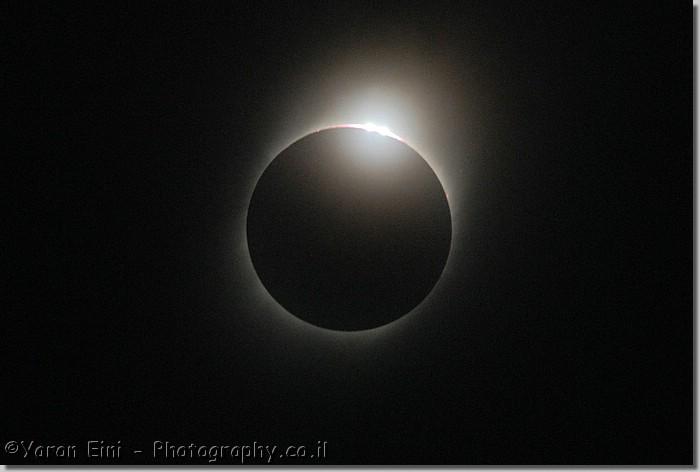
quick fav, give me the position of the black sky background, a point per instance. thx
(564, 331)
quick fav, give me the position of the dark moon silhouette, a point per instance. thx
(349, 229)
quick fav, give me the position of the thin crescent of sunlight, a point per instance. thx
(372, 128)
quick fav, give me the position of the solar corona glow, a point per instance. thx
(349, 228)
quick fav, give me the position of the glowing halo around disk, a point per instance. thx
(355, 92)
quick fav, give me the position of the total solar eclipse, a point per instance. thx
(349, 228)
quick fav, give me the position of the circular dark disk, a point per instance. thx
(349, 229)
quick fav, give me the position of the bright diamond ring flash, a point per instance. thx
(372, 128)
